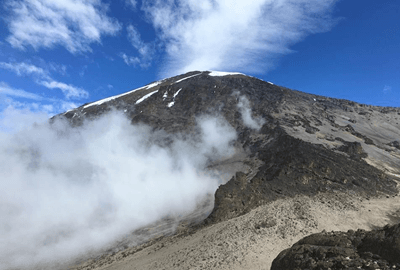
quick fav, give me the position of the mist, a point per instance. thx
(65, 191)
(245, 110)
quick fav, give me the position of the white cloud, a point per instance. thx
(24, 69)
(41, 106)
(145, 50)
(130, 60)
(5, 89)
(26, 103)
(67, 105)
(245, 111)
(74, 24)
(61, 69)
(69, 91)
(387, 89)
(83, 70)
(131, 3)
(16, 118)
(85, 187)
(233, 34)
(136, 41)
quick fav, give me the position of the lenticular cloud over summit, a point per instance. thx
(235, 34)
(66, 190)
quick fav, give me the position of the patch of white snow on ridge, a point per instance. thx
(101, 101)
(165, 95)
(186, 78)
(153, 84)
(177, 92)
(270, 83)
(145, 96)
(171, 104)
(220, 73)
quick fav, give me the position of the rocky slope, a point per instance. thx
(306, 144)
(377, 249)
(288, 143)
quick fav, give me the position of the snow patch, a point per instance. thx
(220, 73)
(177, 93)
(173, 101)
(165, 95)
(101, 101)
(178, 81)
(145, 96)
(153, 84)
(270, 83)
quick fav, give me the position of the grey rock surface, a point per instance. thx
(377, 249)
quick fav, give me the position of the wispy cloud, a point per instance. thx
(7, 90)
(24, 69)
(387, 89)
(130, 60)
(43, 78)
(235, 34)
(245, 110)
(31, 103)
(131, 3)
(83, 70)
(145, 50)
(69, 91)
(69, 23)
(61, 69)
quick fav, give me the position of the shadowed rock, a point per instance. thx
(377, 249)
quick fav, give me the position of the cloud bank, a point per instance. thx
(233, 34)
(66, 190)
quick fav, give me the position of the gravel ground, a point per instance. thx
(253, 240)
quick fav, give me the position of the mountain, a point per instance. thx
(288, 145)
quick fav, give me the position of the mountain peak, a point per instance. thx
(277, 143)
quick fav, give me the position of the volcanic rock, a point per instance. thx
(377, 249)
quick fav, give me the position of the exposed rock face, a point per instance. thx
(307, 144)
(377, 249)
(292, 166)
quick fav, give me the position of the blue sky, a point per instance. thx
(56, 55)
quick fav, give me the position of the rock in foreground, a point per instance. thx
(377, 249)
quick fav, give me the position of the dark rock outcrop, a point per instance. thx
(292, 166)
(377, 249)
